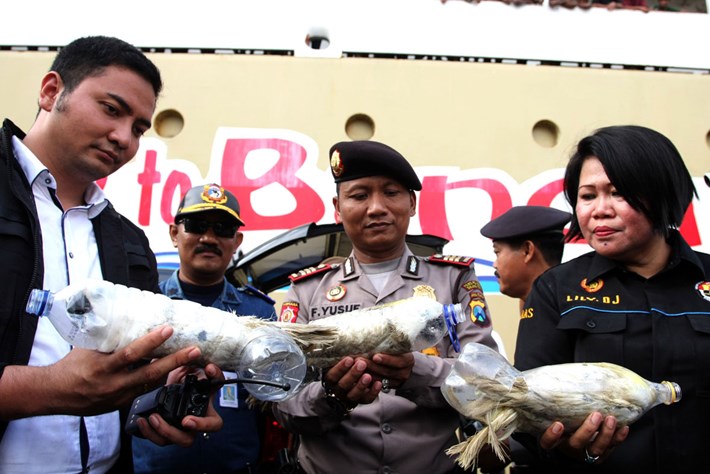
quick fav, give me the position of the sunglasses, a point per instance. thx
(200, 226)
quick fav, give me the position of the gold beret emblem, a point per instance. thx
(336, 164)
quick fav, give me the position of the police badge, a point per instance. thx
(424, 290)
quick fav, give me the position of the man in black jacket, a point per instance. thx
(56, 228)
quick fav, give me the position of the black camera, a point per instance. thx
(172, 402)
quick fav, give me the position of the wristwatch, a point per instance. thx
(341, 407)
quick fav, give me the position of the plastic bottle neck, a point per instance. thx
(40, 302)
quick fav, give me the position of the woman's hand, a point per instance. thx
(592, 442)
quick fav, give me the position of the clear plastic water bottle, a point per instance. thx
(274, 356)
(54, 306)
(103, 316)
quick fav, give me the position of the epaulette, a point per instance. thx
(306, 273)
(451, 260)
(256, 292)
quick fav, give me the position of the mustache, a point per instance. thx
(208, 248)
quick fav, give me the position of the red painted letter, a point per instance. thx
(176, 181)
(432, 201)
(309, 206)
(147, 179)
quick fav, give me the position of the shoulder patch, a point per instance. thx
(256, 292)
(451, 260)
(289, 312)
(306, 273)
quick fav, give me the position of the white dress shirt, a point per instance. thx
(49, 444)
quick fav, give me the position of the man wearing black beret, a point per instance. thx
(362, 159)
(527, 240)
(385, 413)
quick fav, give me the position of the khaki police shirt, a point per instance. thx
(408, 429)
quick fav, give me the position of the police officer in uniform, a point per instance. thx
(206, 234)
(385, 413)
(527, 240)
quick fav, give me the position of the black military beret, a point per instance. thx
(524, 221)
(364, 158)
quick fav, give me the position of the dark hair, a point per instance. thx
(645, 168)
(550, 245)
(89, 56)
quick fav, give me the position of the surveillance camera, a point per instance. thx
(318, 38)
(317, 42)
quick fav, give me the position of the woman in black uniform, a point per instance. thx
(640, 300)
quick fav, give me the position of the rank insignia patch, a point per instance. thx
(451, 259)
(336, 293)
(308, 272)
(703, 289)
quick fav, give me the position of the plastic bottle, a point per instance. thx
(270, 356)
(45, 303)
(103, 316)
(484, 386)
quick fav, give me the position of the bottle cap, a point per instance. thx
(40, 302)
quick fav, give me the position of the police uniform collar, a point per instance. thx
(408, 266)
(351, 268)
(230, 294)
(173, 289)
(682, 252)
(601, 265)
(380, 267)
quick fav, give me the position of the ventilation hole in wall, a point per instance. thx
(360, 127)
(546, 133)
(169, 123)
